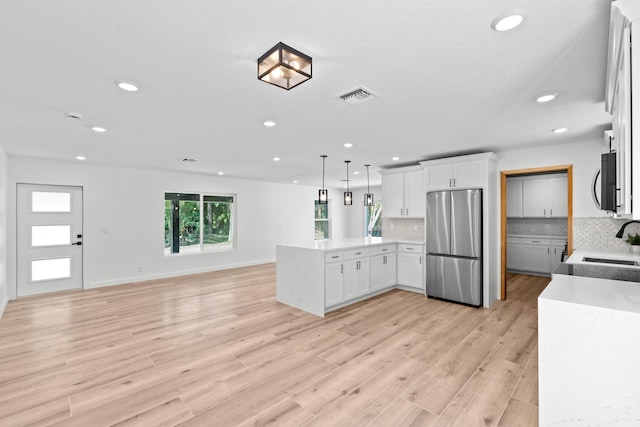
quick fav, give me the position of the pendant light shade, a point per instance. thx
(323, 194)
(348, 196)
(368, 198)
(285, 67)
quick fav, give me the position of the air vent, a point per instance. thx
(358, 96)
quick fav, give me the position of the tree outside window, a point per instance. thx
(322, 222)
(189, 229)
(372, 220)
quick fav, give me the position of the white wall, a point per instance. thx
(124, 219)
(352, 224)
(4, 252)
(585, 158)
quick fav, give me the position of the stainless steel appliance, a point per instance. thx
(454, 245)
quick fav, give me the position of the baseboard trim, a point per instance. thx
(3, 305)
(145, 278)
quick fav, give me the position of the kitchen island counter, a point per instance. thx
(322, 276)
(589, 352)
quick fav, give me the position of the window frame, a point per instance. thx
(327, 220)
(202, 247)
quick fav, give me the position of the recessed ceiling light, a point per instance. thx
(128, 86)
(220, 173)
(98, 129)
(508, 21)
(276, 159)
(347, 145)
(560, 130)
(295, 181)
(395, 158)
(269, 123)
(547, 98)
(356, 172)
(81, 158)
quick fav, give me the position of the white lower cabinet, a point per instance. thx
(411, 266)
(356, 278)
(534, 254)
(333, 279)
(383, 267)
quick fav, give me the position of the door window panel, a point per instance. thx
(50, 269)
(50, 235)
(50, 201)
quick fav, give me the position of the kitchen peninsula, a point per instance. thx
(588, 344)
(329, 274)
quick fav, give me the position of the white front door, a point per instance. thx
(49, 238)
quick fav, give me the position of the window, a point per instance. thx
(197, 223)
(372, 220)
(322, 222)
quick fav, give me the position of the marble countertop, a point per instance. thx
(329, 245)
(603, 293)
(577, 258)
(537, 236)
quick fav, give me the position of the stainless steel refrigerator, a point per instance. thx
(454, 245)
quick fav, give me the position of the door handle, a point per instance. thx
(77, 243)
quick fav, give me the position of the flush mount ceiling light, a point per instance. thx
(269, 123)
(560, 130)
(128, 86)
(546, 98)
(368, 198)
(284, 66)
(508, 20)
(323, 194)
(348, 195)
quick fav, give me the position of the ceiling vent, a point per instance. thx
(358, 96)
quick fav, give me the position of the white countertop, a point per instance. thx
(329, 245)
(578, 255)
(603, 293)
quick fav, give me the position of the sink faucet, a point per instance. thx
(621, 231)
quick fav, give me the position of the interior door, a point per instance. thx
(49, 239)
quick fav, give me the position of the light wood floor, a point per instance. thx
(216, 349)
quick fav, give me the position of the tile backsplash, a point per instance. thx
(403, 228)
(537, 226)
(600, 234)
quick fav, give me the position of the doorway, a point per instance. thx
(49, 239)
(503, 214)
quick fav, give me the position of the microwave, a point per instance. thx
(608, 184)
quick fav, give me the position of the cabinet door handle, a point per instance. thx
(341, 268)
(384, 259)
(401, 211)
(385, 250)
(550, 212)
(454, 182)
(450, 183)
(420, 259)
(358, 253)
(406, 211)
(409, 249)
(335, 256)
(535, 241)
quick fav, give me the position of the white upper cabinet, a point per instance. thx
(543, 196)
(403, 194)
(514, 198)
(621, 104)
(455, 174)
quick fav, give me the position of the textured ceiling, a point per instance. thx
(448, 83)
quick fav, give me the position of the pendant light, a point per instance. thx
(368, 198)
(323, 194)
(348, 196)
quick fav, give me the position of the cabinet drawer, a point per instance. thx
(514, 240)
(402, 247)
(357, 253)
(535, 241)
(381, 250)
(558, 242)
(333, 257)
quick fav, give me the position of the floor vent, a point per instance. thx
(358, 96)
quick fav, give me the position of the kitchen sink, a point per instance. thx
(611, 261)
